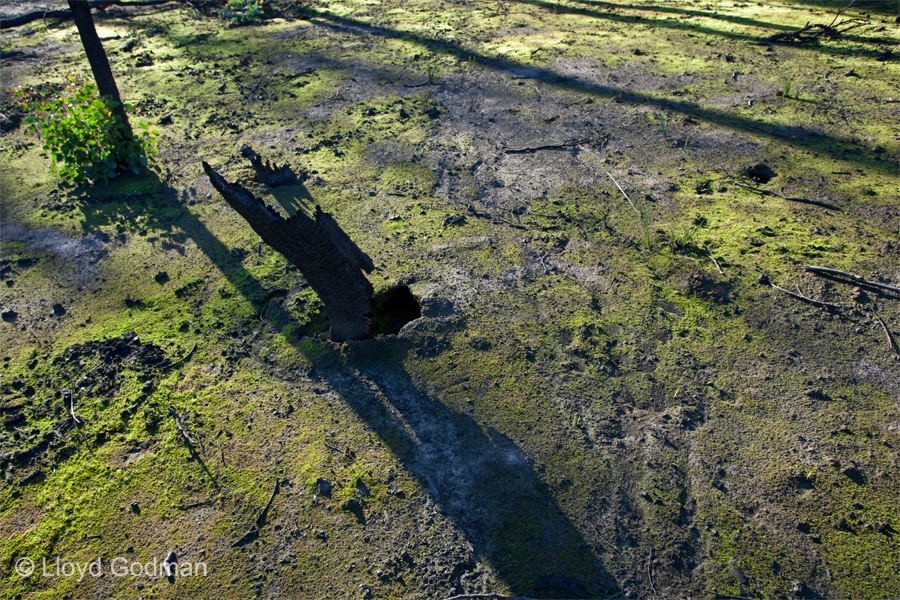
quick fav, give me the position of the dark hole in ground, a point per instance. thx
(392, 309)
(761, 173)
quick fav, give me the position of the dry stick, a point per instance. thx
(800, 296)
(183, 358)
(256, 524)
(194, 505)
(890, 339)
(711, 257)
(855, 278)
(781, 195)
(576, 143)
(486, 597)
(650, 572)
(179, 425)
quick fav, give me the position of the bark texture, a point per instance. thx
(319, 248)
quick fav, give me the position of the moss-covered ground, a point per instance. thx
(591, 405)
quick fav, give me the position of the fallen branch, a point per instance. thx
(595, 141)
(781, 195)
(764, 279)
(67, 14)
(810, 33)
(179, 425)
(254, 529)
(855, 278)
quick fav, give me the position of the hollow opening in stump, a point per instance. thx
(392, 309)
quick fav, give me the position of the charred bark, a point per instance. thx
(319, 248)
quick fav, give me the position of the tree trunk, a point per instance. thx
(106, 83)
(320, 249)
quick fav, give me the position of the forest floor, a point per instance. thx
(594, 402)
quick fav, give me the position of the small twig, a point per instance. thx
(486, 597)
(330, 447)
(179, 425)
(799, 295)
(650, 572)
(183, 358)
(711, 257)
(194, 505)
(221, 454)
(95, 536)
(624, 194)
(254, 529)
(781, 195)
(855, 278)
(892, 345)
(261, 314)
(72, 400)
(576, 143)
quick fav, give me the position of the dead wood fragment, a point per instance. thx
(254, 529)
(800, 296)
(320, 249)
(892, 345)
(183, 358)
(855, 278)
(179, 425)
(594, 141)
(811, 33)
(193, 505)
(781, 195)
(67, 14)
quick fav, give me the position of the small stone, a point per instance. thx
(763, 279)
(129, 549)
(877, 149)
(58, 310)
(161, 277)
(8, 314)
(146, 386)
(323, 486)
(736, 571)
(351, 504)
(32, 363)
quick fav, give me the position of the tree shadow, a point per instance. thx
(160, 214)
(476, 476)
(798, 136)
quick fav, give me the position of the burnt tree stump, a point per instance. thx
(319, 248)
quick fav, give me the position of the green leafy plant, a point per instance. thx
(687, 66)
(685, 236)
(82, 136)
(786, 88)
(241, 12)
